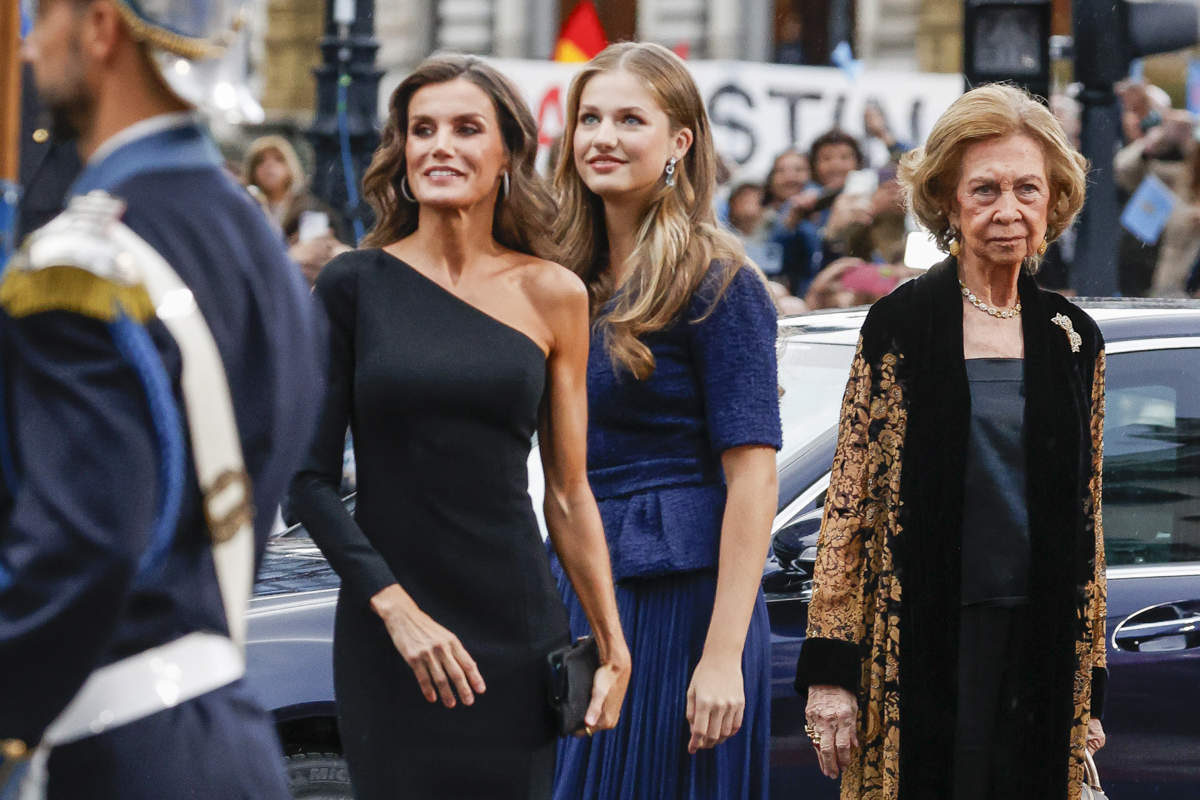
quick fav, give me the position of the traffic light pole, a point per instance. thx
(1095, 267)
(344, 134)
(1102, 58)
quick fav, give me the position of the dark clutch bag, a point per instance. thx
(572, 670)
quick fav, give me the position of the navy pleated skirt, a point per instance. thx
(665, 621)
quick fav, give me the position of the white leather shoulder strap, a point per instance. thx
(216, 449)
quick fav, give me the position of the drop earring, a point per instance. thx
(671, 171)
(955, 248)
(404, 189)
(1041, 251)
(506, 185)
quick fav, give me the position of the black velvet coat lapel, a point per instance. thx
(929, 333)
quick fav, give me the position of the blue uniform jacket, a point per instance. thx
(83, 474)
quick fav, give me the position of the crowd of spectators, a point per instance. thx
(827, 226)
(1161, 141)
(314, 232)
(1158, 141)
(829, 229)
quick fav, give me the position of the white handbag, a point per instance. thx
(1091, 781)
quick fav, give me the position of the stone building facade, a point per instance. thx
(892, 34)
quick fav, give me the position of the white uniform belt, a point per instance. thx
(151, 681)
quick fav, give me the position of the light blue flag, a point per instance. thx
(1148, 210)
(1193, 86)
(843, 58)
(26, 17)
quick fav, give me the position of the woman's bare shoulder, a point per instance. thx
(552, 287)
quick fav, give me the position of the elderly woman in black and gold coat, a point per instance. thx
(956, 633)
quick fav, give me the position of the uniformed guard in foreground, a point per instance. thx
(158, 377)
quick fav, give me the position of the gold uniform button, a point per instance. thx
(13, 749)
(41, 135)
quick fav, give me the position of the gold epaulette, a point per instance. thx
(77, 263)
(75, 290)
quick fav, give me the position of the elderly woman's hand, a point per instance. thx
(1095, 736)
(832, 715)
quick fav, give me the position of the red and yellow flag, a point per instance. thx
(582, 36)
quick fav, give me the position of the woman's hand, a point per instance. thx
(832, 714)
(716, 701)
(608, 689)
(438, 659)
(1095, 736)
(800, 205)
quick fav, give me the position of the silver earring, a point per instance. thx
(671, 171)
(404, 189)
(506, 185)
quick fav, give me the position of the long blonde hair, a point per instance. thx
(678, 236)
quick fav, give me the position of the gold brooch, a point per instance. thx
(1064, 322)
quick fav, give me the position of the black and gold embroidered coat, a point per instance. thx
(884, 615)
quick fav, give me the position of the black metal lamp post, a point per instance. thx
(344, 133)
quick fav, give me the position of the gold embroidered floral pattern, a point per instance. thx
(857, 596)
(1089, 649)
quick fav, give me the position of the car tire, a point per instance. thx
(319, 776)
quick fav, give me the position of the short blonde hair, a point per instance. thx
(930, 174)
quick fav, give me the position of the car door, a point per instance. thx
(1152, 532)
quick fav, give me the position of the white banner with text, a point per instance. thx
(758, 110)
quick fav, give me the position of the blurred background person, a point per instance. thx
(881, 146)
(272, 173)
(1171, 152)
(850, 282)
(789, 49)
(832, 156)
(787, 201)
(273, 168)
(867, 220)
(748, 221)
(1143, 110)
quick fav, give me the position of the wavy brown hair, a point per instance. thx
(518, 222)
(678, 237)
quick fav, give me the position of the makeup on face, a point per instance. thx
(453, 148)
(622, 138)
(1002, 199)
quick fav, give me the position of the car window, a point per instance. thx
(1152, 457)
(813, 378)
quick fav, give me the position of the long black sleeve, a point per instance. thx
(314, 491)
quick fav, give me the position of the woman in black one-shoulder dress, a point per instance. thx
(450, 346)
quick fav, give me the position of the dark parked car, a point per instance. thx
(1151, 525)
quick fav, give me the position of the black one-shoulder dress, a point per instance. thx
(442, 400)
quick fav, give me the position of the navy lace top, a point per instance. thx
(654, 446)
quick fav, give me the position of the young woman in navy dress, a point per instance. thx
(684, 424)
(452, 340)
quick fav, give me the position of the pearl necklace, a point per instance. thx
(998, 313)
